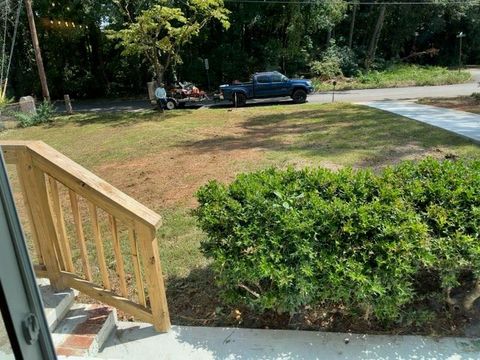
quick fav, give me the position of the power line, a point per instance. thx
(313, 2)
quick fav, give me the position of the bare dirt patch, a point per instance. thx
(172, 177)
(461, 103)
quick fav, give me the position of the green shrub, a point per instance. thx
(476, 96)
(326, 69)
(447, 197)
(336, 61)
(280, 240)
(44, 114)
(400, 75)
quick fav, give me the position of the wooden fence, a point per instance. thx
(71, 213)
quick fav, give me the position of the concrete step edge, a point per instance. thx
(56, 304)
(84, 330)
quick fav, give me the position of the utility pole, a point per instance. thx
(36, 47)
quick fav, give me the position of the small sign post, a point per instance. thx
(333, 91)
(460, 36)
(207, 67)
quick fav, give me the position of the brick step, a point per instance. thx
(84, 330)
(56, 304)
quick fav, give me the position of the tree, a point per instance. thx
(161, 31)
(372, 48)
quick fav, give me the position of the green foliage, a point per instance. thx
(326, 69)
(4, 101)
(162, 30)
(400, 75)
(447, 197)
(281, 240)
(44, 114)
(476, 96)
(336, 61)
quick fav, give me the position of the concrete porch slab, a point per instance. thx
(137, 340)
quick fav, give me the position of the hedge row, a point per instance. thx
(283, 239)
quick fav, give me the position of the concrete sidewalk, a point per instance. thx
(136, 340)
(459, 122)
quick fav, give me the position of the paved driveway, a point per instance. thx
(459, 122)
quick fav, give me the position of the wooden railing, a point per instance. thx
(71, 213)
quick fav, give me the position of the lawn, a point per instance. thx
(162, 159)
(462, 103)
(398, 76)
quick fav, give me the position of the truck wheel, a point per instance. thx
(299, 96)
(241, 99)
(170, 104)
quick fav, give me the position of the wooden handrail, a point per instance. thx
(83, 182)
(40, 170)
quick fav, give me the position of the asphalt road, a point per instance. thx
(404, 93)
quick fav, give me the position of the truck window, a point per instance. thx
(276, 78)
(263, 79)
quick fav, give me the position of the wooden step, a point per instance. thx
(84, 330)
(56, 304)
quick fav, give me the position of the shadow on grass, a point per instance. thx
(117, 119)
(257, 103)
(332, 133)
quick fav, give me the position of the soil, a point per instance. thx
(462, 103)
(189, 306)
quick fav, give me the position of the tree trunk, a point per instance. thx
(97, 63)
(472, 296)
(38, 54)
(372, 48)
(352, 26)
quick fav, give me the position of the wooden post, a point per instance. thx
(68, 104)
(153, 276)
(36, 197)
(36, 47)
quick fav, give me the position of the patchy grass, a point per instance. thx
(398, 76)
(463, 103)
(162, 159)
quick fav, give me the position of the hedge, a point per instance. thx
(283, 239)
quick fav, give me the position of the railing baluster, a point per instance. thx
(154, 278)
(63, 241)
(77, 219)
(136, 266)
(99, 245)
(118, 256)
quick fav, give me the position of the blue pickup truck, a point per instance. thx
(267, 85)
